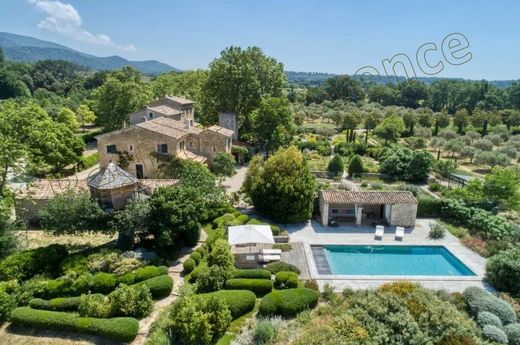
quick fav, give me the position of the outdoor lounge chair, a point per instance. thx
(399, 233)
(271, 251)
(269, 258)
(380, 230)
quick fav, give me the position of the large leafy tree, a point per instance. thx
(345, 88)
(390, 128)
(273, 124)
(412, 93)
(282, 187)
(404, 163)
(121, 94)
(237, 83)
(188, 84)
(502, 186)
(85, 115)
(223, 164)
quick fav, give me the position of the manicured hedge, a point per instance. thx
(104, 283)
(239, 302)
(429, 207)
(503, 271)
(259, 286)
(280, 266)
(188, 266)
(160, 286)
(240, 220)
(513, 333)
(28, 263)
(479, 300)
(252, 273)
(286, 280)
(142, 273)
(288, 302)
(119, 328)
(196, 256)
(56, 304)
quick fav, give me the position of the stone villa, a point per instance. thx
(164, 127)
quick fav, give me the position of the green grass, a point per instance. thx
(456, 231)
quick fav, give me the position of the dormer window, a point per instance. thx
(150, 116)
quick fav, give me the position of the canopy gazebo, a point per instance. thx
(247, 243)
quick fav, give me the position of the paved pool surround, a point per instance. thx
(312, 233)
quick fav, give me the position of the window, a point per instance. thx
(111, 149)
(162, 148)
(191, 143)
(150, 115)
(130, 148)
(181, 145)
(143, 119)
(214, 149)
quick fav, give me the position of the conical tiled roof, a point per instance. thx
(111, 177)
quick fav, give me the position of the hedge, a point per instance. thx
(494, 334)
(239, 302)
(479, 300)
(104, 283)
(429, 207)
(286, 280)
(28, 263)
(196, 256)
(503, 271)
(119, 328)
(252, 273)
(56, 304)
(142, 273)
(160, 286)
(513, 333)
(259, 286)
(280, 266)
(188, 266)
(240, 220)
(487, 318)
(288, 302)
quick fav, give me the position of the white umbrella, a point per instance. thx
(250, 234)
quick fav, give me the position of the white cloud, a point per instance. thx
(64, 19)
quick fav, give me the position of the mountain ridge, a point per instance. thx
(30, 49)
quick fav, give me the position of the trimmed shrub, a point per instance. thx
(201, 251)
(188, 266)
(503, 271)
(286, 280)
(28, 263)
(487, 318)
(513, 333)
(336, 165)
(239, 302)
(212, 278)
(495, 334)
(252, 273)
(163, 270)
(479, 300)
(104, 283)
(240, 220)
(147, 272)
(429, 207)
(7, 304)
(159, 287)
(280, 266)
(94, 305)
(119, 328)
(56, 304)
(355, 165)
(83, 283)
(131, 301)
(259, 286)
(195, 256)
(288, 302)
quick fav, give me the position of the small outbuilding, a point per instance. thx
(397, 208)
(113, 186)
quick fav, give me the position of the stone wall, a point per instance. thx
(212, 143)
(404, 215)
(229, 121)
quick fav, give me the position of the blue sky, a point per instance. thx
(306, 35)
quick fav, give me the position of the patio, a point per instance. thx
(313, 233)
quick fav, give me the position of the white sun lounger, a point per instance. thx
(271, 251)
(380, 230)
(269, 258)
(399, 233)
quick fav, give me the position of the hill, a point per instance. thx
(29, 49)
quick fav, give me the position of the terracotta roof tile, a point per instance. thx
(220, 130)
(367, 197)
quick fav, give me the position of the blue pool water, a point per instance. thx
(394, 260)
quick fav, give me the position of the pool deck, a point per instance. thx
(303, 235)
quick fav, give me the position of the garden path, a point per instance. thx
(174, 271)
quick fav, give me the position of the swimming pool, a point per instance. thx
(392, 260)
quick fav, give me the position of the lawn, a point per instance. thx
(30, 239)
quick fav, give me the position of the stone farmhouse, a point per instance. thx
(164, 127)
(368, 207)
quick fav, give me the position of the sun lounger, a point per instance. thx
(380, 230)
(271, 251)
(269, 258)
(399, 233)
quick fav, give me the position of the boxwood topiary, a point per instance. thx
(201, 251)
(120, 328)
(56, 304)
(196, 257)
(279, 266)
(160, 286)
(189, 265)
(259, 286)
(286, 280)
(104, 283)
(252, 273)
(513, 333)
(487, 318)
(495, 334)
(239, 302)
(288, 302)
(146, 272)
(479, 300)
